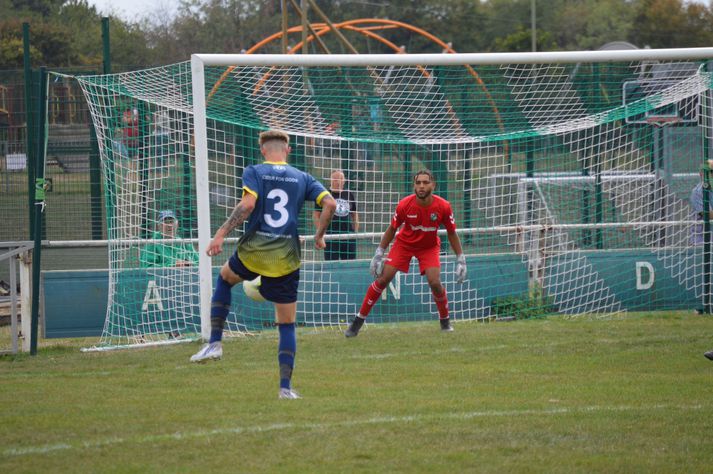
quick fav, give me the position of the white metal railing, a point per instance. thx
(19, 252)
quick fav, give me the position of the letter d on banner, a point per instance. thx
(640, 285)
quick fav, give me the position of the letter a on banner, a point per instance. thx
(152, 297)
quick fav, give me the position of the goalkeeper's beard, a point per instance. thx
(423, 194)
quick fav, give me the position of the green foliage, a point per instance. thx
(50, 43)
(11, 52)
(43, 8)
(589, 24)
(67, 33)
(668, 23)
(521, 41)
(531, 305)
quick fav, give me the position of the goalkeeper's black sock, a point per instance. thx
(357, 323)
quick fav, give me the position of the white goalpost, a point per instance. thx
(564, 169)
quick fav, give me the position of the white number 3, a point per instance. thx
(282, 200)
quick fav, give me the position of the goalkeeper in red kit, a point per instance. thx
(421, 214)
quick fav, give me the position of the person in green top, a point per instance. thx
(171, 254)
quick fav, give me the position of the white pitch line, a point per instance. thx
(453, 350)
(80, 445)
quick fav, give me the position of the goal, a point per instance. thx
(570, 196)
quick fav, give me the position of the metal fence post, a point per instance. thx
(29, 124)
(39, 204)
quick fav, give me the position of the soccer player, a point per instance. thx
(273, 195)
(421, 214)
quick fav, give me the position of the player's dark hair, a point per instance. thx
(426, 172)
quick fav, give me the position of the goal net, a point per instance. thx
(570, 176)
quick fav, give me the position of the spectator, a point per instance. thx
(697, 237)
(345, 220)
(127, 136)
(171, 254)
(697, 206)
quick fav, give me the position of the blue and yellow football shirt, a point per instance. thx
(270, 245)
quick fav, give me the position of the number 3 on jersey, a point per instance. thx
(282, 199)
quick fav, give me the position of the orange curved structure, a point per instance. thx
(374, 24)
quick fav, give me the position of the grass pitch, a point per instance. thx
(626, 394)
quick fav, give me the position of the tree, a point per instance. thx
(50, 45)
(69, 36)
(521, 41)
(45, 8)
(672, 24)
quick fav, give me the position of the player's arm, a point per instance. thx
(377, 261)
(315, 218)
(329, 205)
(454, 240)
(449, 223)
(398, 218)
(240, 214)
(355, 220)
(387, 237)
(461, 269)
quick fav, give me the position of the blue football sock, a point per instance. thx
(219, 308)
(286, 353)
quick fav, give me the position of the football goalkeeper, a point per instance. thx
(273, 195)
(421, 214)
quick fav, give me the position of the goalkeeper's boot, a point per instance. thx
(446, 325)
(709, 355)
(354, 327)
(212, 351)
(288, 394)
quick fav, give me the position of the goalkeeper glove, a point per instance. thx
(461, 269)
(377, 263)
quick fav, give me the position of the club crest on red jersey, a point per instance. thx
(434, 217)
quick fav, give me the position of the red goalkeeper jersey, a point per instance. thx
(421, 223)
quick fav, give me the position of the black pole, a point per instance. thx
(106, 47)
(29, 126)
(39, 204)
(109, 192)
(95, 184)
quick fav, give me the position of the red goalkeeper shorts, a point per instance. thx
(400, 257)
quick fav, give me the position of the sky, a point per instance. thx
(134, 9)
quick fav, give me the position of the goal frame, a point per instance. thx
(200, 61)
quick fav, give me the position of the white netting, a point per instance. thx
(559, 183)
